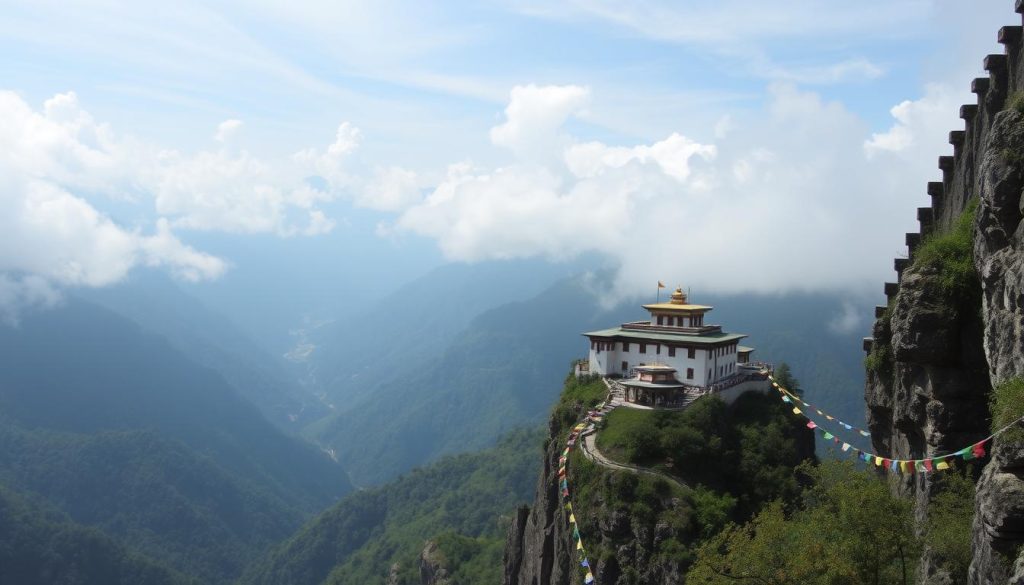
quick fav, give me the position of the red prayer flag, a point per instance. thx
(928, 465)
(886, 463)
(979, 449)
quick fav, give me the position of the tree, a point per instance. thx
(784, 377)
(850, 529)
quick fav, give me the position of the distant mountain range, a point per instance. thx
(115, 427)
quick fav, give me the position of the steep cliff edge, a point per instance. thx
(642, 529)
(999, 259)
(943, 342)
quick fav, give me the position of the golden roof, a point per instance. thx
(677, 302)
(671, 307)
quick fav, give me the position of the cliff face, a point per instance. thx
(539, 547)
(999, 260)
(623, 547)
(936, 354)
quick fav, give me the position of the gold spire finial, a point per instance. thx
(678, 297)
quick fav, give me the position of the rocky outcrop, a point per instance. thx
(935, 355)
(539, 547)
(433, 568)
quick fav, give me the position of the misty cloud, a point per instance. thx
(789, 199)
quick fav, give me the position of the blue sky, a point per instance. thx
(348, 146)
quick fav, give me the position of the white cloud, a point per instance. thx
(534, 118)
(918, 122)
(20, 294)
(332, 163)
(672, 155)
(237, 193)
(227, 130)
(849, 319)
(779, 203)
(390, 189)
(51, 232)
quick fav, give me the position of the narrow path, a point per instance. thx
(589, 444)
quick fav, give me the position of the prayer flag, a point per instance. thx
(919, 466)
(846, 446)
(568, 506)
(819, 412)
(786, 399)
(865, 433)
(979, 449)
(965, 453)
(796, 410)
(942, 465)
(828, 435)
(878, 461)
(928, 465)
(589, 578)
(829, 417)
(579, 545)
(887, 463)
(576, 533)
(585, 563)
(811, 425)
(572, 518)
(848, 427)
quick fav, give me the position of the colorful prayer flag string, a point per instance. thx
(592, 417)
(790, 397)
(907, 466)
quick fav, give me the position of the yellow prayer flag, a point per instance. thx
(942, 465)
(579, 545)
(796, 410)
(572, 518)
(878, 461)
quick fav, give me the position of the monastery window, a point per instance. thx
(643, 348)
(625, 346)
(689, 373)
(661, 319)
(691, 353)
(657, 348)
(671, 352)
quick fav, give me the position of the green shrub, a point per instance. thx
(1006, 403)
(1015, 102)
(950, 515)
(951, 254)
(880, 359)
